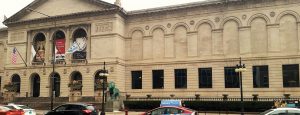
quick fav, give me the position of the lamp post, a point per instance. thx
(239, 69)
(103, 75)
(52, 91)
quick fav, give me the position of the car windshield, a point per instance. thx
(263, 113)
(10, 107)
(4, 108)
(24, 107)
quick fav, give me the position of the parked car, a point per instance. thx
(26, 109)
(10, 111)
(171, 110)
(171, 107)
(74, 109)
(282, 111)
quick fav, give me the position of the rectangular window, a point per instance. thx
(231, 78)
(260, 76)
(158, 79)
(205, 77)
(136, 79)
(290, 75)
(180, 78)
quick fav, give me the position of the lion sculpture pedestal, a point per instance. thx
(114, 103)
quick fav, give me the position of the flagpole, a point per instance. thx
(21, 57)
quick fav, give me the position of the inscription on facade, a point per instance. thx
(104, 27)
(17, 36)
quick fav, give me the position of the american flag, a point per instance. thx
(14, 56)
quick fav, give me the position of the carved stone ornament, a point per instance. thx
(192, 22)
(217, 19)
(44, 71)
(65, 71)
(87, 70)
(147, 27)
(244, 17)
(24, 73)
(169, 25)
(272, 14)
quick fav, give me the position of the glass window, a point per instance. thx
(180, 78)
(290, 75)
(158, 79)
(136, 79)
(260, 76)
(205, 77)
(279, 112)
(231, 78)
(293, 112)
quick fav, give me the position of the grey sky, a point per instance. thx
(10, 7)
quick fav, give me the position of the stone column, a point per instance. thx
(217, 42)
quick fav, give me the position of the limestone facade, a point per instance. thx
(189, 36)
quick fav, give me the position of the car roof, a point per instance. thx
(287, 108)
(83, 104)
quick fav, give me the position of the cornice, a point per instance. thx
(80, 14)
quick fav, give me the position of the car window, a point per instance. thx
(10, 107)
(279, 112)
(61, 108)
(293, 112)
(74, 107)
(4, 108)
(159, 111)
(265, 112)
(23, 107)
(174, 111)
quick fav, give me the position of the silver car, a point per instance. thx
(282, 111)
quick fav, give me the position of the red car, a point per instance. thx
(167, 110)
(10, 111)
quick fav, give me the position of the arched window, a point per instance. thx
(76, 78)
(39, 42)
(59, 38)
(80, 42)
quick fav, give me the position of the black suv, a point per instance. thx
(74, 109)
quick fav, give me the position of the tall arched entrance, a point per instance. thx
(16, 80)
(35, 85)
(56, 84)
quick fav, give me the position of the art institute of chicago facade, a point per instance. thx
(182, 50)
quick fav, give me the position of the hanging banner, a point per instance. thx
(60, 49)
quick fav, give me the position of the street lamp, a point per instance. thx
(53, 57)
(239, 69)
(103, 75)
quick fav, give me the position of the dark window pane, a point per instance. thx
(205, 77)
(231, 78)
(260, 77)
(158, 79)
(136, 79)
(180, 78)
(290, 75)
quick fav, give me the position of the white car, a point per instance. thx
(27, 110)
(282, 111)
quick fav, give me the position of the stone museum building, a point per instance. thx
(179, 50)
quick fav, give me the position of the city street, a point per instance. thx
(42, 112)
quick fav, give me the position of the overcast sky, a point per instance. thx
(10, 7)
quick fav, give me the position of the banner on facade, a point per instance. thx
(60, 49)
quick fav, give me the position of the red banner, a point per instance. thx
(60, 48)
